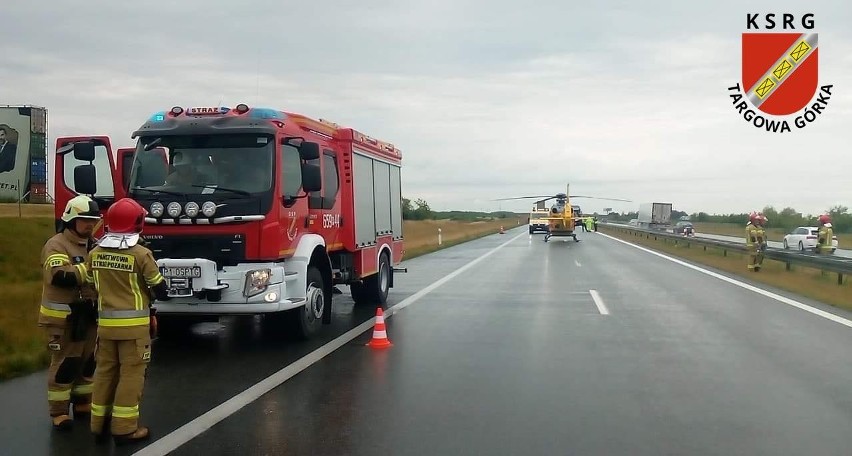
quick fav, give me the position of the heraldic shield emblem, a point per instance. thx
(780, 70)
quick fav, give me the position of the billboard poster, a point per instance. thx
(23, 170)
(15, 130)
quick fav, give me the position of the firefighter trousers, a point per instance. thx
(72, 365)
(755, 260)
(119, 380)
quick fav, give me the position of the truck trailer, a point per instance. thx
(655, 216)
(252, 210)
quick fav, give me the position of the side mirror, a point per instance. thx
(84, 151)
(85, 180)
(311, 178)
(309, 151)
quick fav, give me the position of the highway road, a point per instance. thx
(504, 345)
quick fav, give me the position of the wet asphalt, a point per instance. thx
(512, 356)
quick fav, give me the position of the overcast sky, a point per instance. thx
(620, 99)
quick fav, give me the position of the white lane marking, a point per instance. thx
(577, 262)
(599, 302)
(768, 294)
(199, 425)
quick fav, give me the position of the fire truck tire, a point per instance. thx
(374, 289)
(305, 322)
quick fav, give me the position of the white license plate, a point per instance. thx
(181, 272)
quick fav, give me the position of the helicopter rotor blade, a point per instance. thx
(596, 197)
(547, 197)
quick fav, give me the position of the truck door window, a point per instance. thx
(330, 179)
(104, 184)
(291, 170)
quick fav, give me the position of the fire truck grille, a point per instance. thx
(224, 250)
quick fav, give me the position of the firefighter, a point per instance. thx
(755, 241)
(67, 312)
(825, 235)
(184, 173)
(125, 275)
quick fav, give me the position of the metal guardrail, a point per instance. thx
(838, 265)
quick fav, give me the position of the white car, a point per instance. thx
(805, 238)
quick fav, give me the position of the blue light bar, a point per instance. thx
(158, 117)
(264, 113)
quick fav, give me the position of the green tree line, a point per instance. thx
(419, 210)
(786, 219)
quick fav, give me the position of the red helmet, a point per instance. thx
(753, 217)
(126, 216)
(824, 218)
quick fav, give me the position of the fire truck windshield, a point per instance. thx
(208, 164)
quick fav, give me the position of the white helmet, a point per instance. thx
(81, 206)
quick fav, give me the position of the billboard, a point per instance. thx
(23, 149)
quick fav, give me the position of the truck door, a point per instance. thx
(84, 165)
(124, 164)
(327, 204)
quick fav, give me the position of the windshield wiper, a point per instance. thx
(134, 189)
(232, 190)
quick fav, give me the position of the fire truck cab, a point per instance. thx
(252, 210)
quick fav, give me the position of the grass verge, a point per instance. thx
(421, 236)
(22, 347)
(26, 210)
(774, 234)
(22, 344)
(801, 280)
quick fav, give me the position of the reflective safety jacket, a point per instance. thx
(123, 278)
(825, 238)
(63, 277)
(755, 235)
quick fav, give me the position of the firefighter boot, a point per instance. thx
(141, 434)
(62, 423)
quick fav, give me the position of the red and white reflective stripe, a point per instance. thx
(380, 334)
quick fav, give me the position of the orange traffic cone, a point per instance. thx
(380, 335)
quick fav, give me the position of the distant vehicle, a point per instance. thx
(655, 216)
(804, 238)
(538, 220)
(633, 222)
(684, 228)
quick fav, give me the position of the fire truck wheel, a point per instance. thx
(306, 321)
(374, 289)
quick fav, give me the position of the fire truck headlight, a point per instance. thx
(208, 208)
(256, 281)
(174, 209)
(191, 209)
(157, 209)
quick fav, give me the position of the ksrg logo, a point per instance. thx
(779, 84)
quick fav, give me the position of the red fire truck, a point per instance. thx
(252, 210)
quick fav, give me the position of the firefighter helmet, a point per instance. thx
(753, 218)
(824, 218)
(81, 206)
(126, 216)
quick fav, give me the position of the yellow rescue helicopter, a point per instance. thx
(562, 218)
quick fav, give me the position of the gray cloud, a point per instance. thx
(486, 99)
